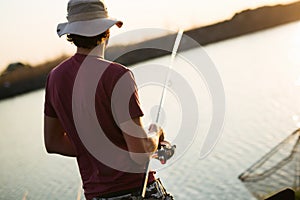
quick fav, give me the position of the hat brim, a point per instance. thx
(87, 28)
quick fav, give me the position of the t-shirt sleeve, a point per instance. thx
(48, 107)
(125, 99)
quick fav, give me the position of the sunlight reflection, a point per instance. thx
(297, 82)
(296, 120)
(295, 117)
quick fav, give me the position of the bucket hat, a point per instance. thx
(87, 18)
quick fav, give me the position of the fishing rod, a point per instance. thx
(166, 150)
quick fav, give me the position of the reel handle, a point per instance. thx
(165, 152)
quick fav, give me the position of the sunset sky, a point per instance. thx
(28, 32)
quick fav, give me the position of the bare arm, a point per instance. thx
(138, 141)
(55, 138)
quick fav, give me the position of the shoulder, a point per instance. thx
(59, 69)
(118, 68)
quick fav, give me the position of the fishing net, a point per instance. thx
(277, 170)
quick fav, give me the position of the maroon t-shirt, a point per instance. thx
(98, 178)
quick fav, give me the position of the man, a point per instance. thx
(68, 127)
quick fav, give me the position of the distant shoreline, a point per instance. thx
(27, 79)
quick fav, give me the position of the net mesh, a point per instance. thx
(277, 170)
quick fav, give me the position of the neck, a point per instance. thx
(97, 51)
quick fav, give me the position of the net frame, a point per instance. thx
(262, 177)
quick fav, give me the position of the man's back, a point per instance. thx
(98, 179)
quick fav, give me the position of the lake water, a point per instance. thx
(259, 73)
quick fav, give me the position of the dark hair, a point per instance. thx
(87, 42)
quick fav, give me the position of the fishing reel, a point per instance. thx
(165, 151)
